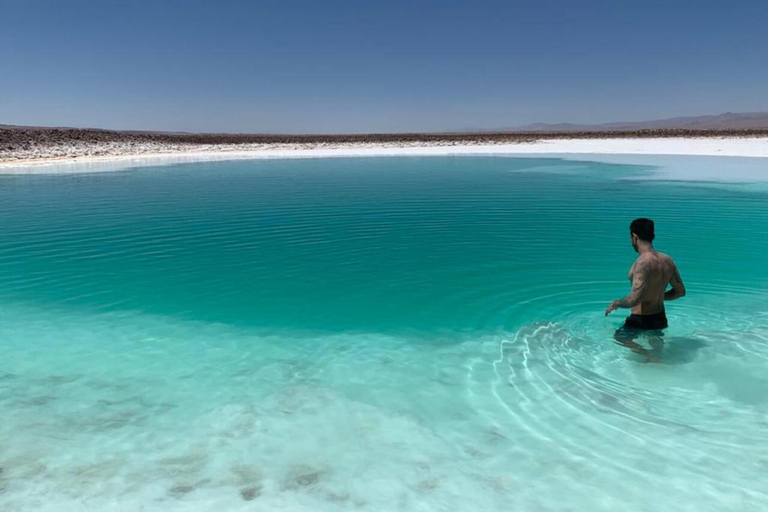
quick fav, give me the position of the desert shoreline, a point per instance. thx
(118, 157)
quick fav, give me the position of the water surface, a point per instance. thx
(376, 334)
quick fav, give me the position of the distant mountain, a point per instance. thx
(43, 128)
(727, 121)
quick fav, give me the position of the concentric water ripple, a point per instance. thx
(376, 334)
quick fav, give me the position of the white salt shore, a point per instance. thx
(642, 151)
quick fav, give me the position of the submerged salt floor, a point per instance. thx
(424, 336)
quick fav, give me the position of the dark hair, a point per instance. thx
(643, 228)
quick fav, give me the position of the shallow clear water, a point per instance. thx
(376, 334)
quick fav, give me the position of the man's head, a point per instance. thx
(641, 229)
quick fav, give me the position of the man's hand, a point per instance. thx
(678, 288)
(614, 305)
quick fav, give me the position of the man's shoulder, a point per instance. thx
(654, 258)
(666, 259)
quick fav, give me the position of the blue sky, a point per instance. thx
(300, 66)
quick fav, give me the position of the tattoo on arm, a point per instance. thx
(639, 284)
(678, 288)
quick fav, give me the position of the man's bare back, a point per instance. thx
(650, 275)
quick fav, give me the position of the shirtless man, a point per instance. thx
(649, 275)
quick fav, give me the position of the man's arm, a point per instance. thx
(678, 288)
(639, 284)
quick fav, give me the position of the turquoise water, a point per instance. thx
(376, 334)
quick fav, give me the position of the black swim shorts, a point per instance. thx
(647, 322)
